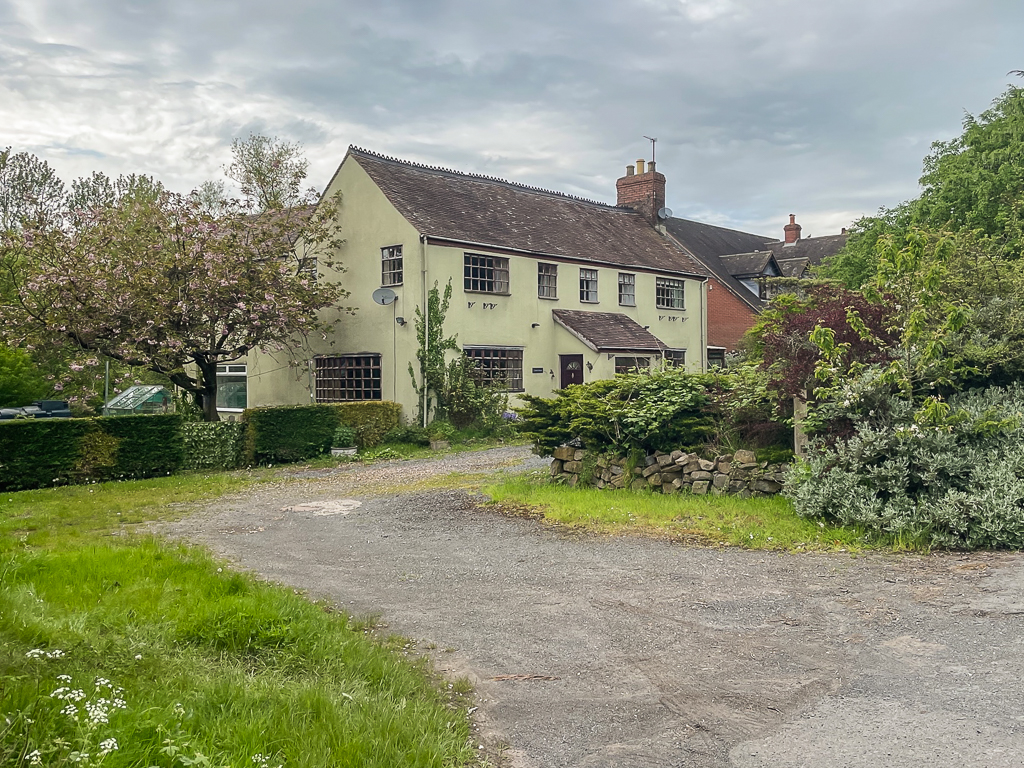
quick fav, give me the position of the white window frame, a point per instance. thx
(588, 286)
(627, 279)
(229, 374)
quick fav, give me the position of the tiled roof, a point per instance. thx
(706, 240)
(449, 205)
(814, 249)
(793, 267)
(607, 331)
(746, 264)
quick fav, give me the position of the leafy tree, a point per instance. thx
(973, 184)
(20, 381)
(157, 283)
(270, 172)
(857, 332)
(30, 190)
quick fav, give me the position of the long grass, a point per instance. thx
(107, 633)
(757, 523)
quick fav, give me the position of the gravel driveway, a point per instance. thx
(595, 651)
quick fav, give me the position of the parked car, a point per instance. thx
(40, 409)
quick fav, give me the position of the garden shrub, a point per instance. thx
(949, 478)
(661, 410)
(294, 433)
(40, 453)
(371, 420)
(213, 445)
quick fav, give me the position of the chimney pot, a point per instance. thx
(640, 167)
(630, 170)
(650, 166)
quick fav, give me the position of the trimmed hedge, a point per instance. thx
(213, 445)
(45, 452)
(294, 433)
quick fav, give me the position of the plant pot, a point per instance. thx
(439, 445)
(343, 451)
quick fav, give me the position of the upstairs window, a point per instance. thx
(588, 285)
(547, 281)
(391, 265)
(627, 289)
(669, 293)
(347, 378)
(485, 274)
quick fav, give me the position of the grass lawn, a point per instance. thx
(121, 649)
(761, 523)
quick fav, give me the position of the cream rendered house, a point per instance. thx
(548, 290)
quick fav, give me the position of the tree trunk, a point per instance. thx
(206, 395)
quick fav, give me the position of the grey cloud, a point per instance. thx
(759, 106)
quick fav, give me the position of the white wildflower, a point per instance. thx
(33, 757)
(107, 746)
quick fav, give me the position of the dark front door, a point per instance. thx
(572, 369)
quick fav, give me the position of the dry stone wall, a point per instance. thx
(738, 474)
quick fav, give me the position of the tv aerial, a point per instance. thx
(384, 296)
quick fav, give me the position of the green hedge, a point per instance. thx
(44, 452)
(294, 433)
(213, 445)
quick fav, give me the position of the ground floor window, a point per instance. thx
(231, 387)
(716, 358)
(675, 358)
(345, 378)
(630, 364)
(502, 366)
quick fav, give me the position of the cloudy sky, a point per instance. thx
(761, 108)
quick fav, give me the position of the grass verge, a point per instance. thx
(121, 649)
(761, 523)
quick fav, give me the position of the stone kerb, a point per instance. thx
(738, 474)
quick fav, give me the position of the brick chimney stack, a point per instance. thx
(792, 230)
(643, 190)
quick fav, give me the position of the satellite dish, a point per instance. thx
(384, 296)
(664, 213)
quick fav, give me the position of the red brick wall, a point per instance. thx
(728, 317)
(643, 192)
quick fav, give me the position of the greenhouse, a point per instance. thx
(145, 398)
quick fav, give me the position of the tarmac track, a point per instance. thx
(630, 652)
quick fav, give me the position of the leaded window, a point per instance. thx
(500, 366)
(669, 293)
(391, 265)
(588, 285)
(547, 281)
(486, 274)
(675, 358)
(631, 364)
(627, 289)
(347, 378)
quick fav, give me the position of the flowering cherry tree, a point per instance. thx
(158, 281)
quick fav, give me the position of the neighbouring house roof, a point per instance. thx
(741, 265)
(706, 240)
(488, 212)
(608, 331)
(708, 243)
(814, 249)
(793, 267)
